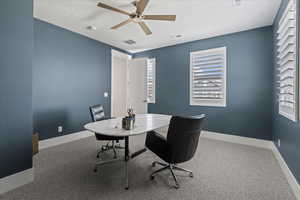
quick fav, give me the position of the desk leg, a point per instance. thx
(127, 157)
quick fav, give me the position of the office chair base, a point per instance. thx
(171, 167)
(159, 163)
(100, 163)
(108, 147)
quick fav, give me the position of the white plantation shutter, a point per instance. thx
(150, 80)
(208, 77)
(287, 63)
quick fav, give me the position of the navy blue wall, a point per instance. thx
(71, 72)
(249, 83)
(287, 131)
(15, 85)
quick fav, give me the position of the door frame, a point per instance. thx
(115, 53)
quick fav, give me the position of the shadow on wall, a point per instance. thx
(46, 123)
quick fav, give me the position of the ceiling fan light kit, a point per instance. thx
(137, 16)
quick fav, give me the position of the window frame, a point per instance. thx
(209, 102)
(292, 115)
(153, 99)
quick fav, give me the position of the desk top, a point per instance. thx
(143, 123)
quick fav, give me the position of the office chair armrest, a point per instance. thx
(157, 144)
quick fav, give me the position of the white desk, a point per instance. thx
(143, 124)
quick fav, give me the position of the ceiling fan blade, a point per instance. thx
(102, 5)
(160, 17)
(121, 24)
(141, 5)
(145, 28)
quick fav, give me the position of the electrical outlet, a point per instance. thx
(60, 129)
(278, 142)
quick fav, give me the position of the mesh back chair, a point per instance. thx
(179, 146)
(97, 114)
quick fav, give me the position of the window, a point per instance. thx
(287, 63)
(150, 80)
(208, 77)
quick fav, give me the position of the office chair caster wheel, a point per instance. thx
(191, 175)
(176, 186)
(153, 164)
(152, 177)
(95, 170)
(98, 156)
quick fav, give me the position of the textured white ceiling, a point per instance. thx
(196, 19)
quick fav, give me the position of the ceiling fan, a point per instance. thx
(138, 16)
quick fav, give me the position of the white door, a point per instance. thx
(136, 93)
(136, 96)
(119, 86)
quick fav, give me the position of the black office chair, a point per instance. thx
(97, 114)
(179, 146)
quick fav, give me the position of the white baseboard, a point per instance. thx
(266, 144)
(43, 144)
(21, 178)
(16, 180)
(286, 170)
(236, 139)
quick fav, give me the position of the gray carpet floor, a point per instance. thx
(222, 171)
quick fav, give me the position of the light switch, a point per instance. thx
(105, 94)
